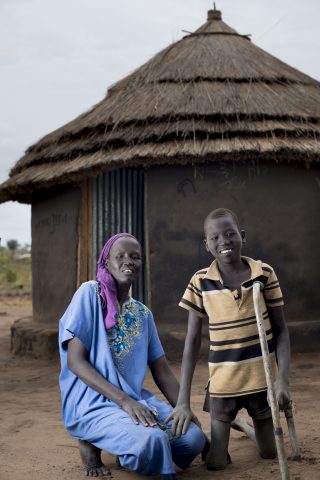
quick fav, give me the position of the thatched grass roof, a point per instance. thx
(211, 96)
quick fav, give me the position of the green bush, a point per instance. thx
(11, 276)
(15, 272)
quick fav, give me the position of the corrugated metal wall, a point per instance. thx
(118, 206)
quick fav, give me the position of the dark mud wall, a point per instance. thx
(278, 205)
(55, 219)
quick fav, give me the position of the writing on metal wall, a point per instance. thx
(185, 187)
(230, 179)
(52, 221)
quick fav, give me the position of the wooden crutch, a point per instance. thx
(282, 458)
(288, 411)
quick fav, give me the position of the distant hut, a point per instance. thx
(210, 121)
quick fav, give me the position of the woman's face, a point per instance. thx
(124, 260)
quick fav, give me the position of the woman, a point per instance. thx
(107, 340)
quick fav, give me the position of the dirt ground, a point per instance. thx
(34, 444)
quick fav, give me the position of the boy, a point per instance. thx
(223, 292)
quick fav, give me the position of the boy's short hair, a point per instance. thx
(218, 213)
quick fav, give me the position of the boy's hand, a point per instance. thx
(182, 415)
(282, 393)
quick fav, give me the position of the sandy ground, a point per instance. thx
(34, 444)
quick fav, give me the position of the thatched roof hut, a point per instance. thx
(210, 121)
(212, 95)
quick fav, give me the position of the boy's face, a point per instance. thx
(223, 239)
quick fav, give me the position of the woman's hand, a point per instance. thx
(181, 417)
(138, 413)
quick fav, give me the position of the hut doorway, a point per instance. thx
(118, 206)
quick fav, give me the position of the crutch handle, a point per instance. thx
(261, 285)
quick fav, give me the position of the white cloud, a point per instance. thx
(15, 223)
(57, 58)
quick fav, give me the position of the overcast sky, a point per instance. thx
(57, 58)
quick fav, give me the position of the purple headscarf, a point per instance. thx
(108, 286)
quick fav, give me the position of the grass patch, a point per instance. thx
(15, 271)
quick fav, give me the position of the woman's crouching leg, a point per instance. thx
(188, 446)
(151, 453)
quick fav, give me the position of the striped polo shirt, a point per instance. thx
(235, 358)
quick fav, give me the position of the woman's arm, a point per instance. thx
(79, 365)
(282, 341)
(182, 414)
(165, 380)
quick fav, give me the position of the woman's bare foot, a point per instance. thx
(91, 460)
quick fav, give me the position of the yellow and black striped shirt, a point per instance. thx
(235, 358)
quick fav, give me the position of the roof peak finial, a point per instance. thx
(214, 14)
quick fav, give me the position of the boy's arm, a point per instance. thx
(282, 342)
(182, 414)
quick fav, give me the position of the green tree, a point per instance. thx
(12, 245)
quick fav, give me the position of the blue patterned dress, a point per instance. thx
(121, 355)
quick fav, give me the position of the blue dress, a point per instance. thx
(121, 355)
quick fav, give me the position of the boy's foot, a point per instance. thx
(241, 425)
(91, 460)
